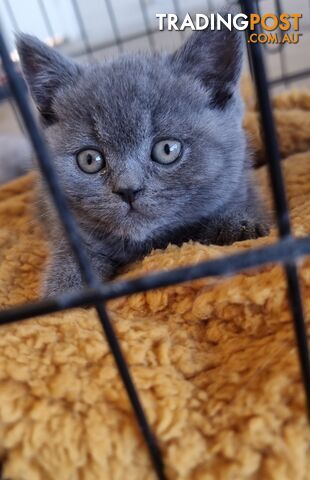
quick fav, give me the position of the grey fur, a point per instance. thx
(121, 108)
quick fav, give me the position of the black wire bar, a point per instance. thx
(11, 14)
(47, 22)
(114, 25)
(285, 250)
(177, 10)
(82, 27)
(147, 25)
(290, 77)
(74, 240)
(280, 48)
(280, 201)
(272, 49)
(269, 130)
(17, 118)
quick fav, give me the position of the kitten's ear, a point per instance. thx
(214, 57)
(45, 70)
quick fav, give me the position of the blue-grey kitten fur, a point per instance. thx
(121, 109)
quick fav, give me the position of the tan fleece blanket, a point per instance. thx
(214, 360)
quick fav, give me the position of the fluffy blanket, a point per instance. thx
(214, 360)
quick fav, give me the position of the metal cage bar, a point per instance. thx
(280, 201)
(11, 14)
(147, 25)
(45, 17)
(114, 25)
(82, 27)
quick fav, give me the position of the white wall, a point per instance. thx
(130, 22)
(96, 19)
(95, 16)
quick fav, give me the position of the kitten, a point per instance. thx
(149, 150)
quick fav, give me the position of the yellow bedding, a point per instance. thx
(214, 360)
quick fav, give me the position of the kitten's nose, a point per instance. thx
(128, 195)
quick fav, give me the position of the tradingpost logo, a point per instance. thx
(272, 28)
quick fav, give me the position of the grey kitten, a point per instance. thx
(149, 150)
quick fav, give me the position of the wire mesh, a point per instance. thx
(280, 200)
(147, 25)
(46, 19)
(82, 27)
(114, 24)
(286, 251)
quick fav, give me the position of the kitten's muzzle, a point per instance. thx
(128, 195)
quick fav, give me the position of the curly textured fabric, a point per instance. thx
(214, 361)
(292, 115)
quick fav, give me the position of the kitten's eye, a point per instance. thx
(90, 161)
(166, 151)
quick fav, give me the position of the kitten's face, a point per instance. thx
(122, 110)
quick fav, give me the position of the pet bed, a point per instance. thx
(215, 361)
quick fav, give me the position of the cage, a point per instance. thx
(75, 28)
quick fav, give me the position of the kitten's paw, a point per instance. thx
(58, 282)
(237, 231)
